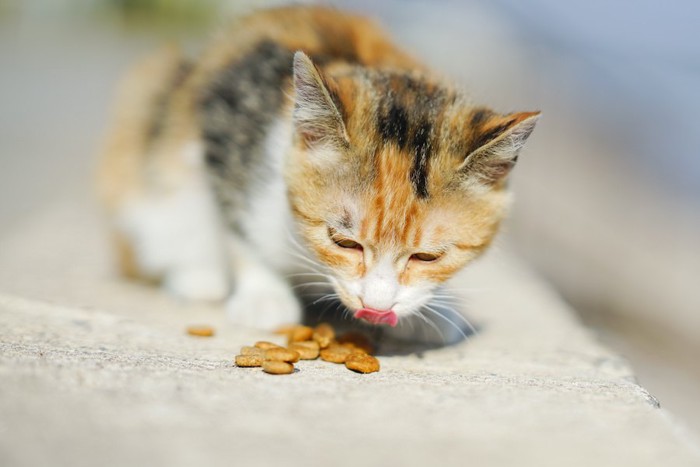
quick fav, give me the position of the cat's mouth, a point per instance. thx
(371, 315)
(377, 317)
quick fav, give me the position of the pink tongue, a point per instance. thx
(377, 317)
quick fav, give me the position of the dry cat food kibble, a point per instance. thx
(276, 367)
(247, 350)
(300, 334)
(336, 353)
(200, 331)
(324, 335)
(266, 345)
(281, 354)
(308, 350)
(362, 363)
(304, 343)
(248, 361)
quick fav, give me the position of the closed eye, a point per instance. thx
(347, 243)
(426, 257)
(341, 241)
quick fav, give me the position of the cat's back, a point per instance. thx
(325, 34)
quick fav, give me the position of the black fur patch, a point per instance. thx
(480, 116)
(236, 108)
(393, 125)
(421, 147)
(407, 108)
(235, 111)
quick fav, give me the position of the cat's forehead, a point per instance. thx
(408, 109)
(406, 116)
(399, 102)
(387, 211)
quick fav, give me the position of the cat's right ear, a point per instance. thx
(316, 117)
(495, 144)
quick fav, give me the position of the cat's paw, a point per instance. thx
(197, 284)
(263, 304)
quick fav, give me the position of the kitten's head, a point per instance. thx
(395, 181)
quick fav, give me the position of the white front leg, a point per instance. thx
(261, 298)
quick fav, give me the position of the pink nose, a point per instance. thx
(377, 316)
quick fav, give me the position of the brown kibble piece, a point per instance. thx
(248, 361)
(281, 354)
(362, 363)
(356, 340)
(308, 350)
(200, 331)
(307, 344)
(276, 367)
(248, 350)
(324, 335)
(266, 345)
(336, 353)
(300, 334)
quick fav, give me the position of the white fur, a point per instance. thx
(380, 289)
(380, 286)
(269, 223)
(176, 235)
(261, 297)
(324, 156)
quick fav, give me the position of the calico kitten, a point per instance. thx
(303, 140)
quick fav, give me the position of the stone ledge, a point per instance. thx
(98, 372)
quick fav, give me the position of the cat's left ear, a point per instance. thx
(316, 117)
(495, 145)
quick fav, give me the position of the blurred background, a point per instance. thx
(608, 188)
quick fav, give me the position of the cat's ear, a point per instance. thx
(495, 144)
(316, 117)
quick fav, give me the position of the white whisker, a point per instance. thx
(452, 323)
(297, 274)
(310, 263)
(309, 284)
(448, 298)
(459, 315)
(329, 296)
(431, 324)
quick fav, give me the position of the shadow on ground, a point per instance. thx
(421, 335)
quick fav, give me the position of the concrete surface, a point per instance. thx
(624, 254)
(96, 371)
